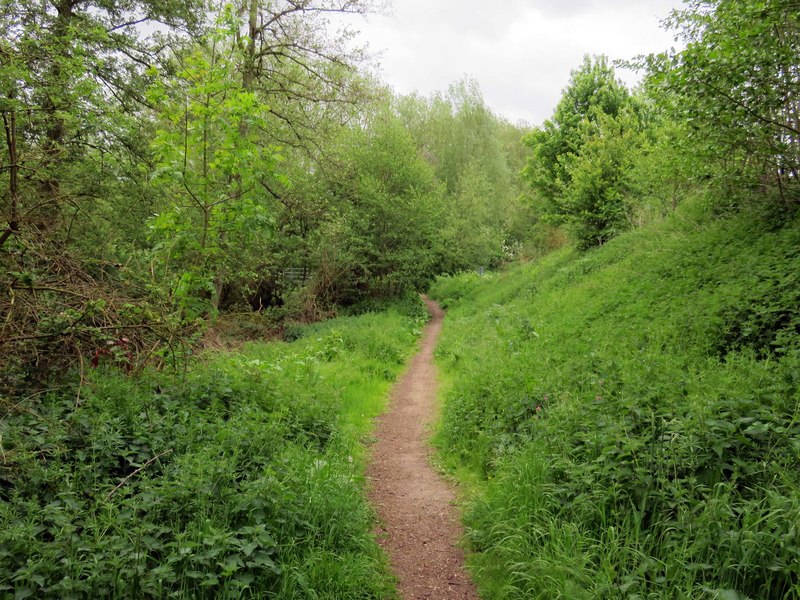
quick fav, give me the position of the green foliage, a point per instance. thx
(383, 242)
(596, 202)
(240, 478)
(475, 156)
(581, 157)
(209, 164)
(592, 91)
(141, 164)
(73, 77)
(635, 407)
(665, 171)
(736, 86)
(634, 411)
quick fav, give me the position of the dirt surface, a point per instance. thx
(419, 521)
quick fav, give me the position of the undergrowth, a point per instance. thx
(634, 414)
(239, 478)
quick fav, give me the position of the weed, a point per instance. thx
(241, 478)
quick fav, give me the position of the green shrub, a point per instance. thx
(238, 478)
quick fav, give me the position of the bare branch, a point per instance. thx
(136, 472)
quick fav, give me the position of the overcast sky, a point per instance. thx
(520, 51)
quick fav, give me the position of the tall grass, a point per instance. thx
(241, 478)
(634, 413)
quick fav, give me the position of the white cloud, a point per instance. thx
(521, 51)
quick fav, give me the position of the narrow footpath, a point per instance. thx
(419, 521)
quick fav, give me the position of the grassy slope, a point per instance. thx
(259, 492)
(634, 412)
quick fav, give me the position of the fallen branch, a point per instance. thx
(75, 331)
(44, 288)
(136, 472)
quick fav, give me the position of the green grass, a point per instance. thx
(633, 413)
(241, 478)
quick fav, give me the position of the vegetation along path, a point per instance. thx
(419, 525)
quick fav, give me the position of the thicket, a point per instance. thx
(239, 477)
(721, 115)
(160, 169)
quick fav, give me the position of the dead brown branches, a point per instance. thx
(61, 315)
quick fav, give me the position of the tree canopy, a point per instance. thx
(161, 167)
(581, 156)
(736, 85)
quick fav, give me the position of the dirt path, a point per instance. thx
(420, 528)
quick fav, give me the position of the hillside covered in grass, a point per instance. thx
(632, 414)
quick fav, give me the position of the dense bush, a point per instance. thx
(239, 478)
(635, 413)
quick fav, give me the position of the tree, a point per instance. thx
(666, 169)
(268, 82)
(71, 74)
(74, 190)
(474, 235)
(738, 86)
(473, 154)
(597, 201)
(592, 91)
(303, 72)
(390, 214)
(579, 156)
(209, 163)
